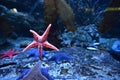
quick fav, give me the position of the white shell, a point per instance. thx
(92, 48)
(96, 44)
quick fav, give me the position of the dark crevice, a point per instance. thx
(7, 64)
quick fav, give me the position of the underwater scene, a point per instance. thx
(59, 39)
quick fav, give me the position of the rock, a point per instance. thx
(107, 29)
(23, 44)
(87, 64)
(115, 50)
(3, 40)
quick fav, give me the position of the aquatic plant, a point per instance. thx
(66, 14)
(59, 10)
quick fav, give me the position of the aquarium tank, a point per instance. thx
(59, 39)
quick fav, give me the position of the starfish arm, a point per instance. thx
(35, 35)
(45, 35)
(3, 56)
(13, 52)
(10, 56)
(33, 44)
(40, 47)
(48, 45)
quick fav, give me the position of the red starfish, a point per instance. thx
(41, 41)
(9, 54)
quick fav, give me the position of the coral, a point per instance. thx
(60, 57)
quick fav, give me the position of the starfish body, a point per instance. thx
(9, 54)
(44, 72)
(60, 57)
(34, 52)
(40, 41)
